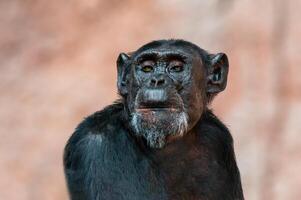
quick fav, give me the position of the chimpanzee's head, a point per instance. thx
(166, 85)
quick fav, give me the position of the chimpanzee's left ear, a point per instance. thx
(217, 73)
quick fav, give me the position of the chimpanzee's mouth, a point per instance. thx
(156, 106)
(158, 100)
(157, 109)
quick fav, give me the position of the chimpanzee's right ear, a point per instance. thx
(123, 62)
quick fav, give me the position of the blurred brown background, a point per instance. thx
(57, 65)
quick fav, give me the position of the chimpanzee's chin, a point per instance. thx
(156, 126)
(154, 140)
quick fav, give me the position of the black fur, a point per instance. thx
(105, 159)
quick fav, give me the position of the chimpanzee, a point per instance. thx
(160, 140)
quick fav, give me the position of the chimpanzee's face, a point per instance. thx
(166, 92)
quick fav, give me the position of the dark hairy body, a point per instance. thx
(112, 155)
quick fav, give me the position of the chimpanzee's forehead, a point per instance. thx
(164, 53)
(159, 48)
(169, 43)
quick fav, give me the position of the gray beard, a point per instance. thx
(155, 127)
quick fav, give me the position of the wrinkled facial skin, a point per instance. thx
(166, 97)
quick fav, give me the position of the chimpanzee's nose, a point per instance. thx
(157, 81)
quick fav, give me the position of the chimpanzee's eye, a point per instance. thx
(147, 66)
(176, 66)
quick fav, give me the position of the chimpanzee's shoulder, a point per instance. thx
(110, 116)
(103, 123)
(213, 127)
(90, 135)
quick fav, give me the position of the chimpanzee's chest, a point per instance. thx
(178, 171)
(190, 172)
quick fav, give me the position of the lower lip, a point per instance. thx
(157, 109)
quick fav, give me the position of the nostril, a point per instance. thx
(157, 81)
(161, 82)
(153, 81)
